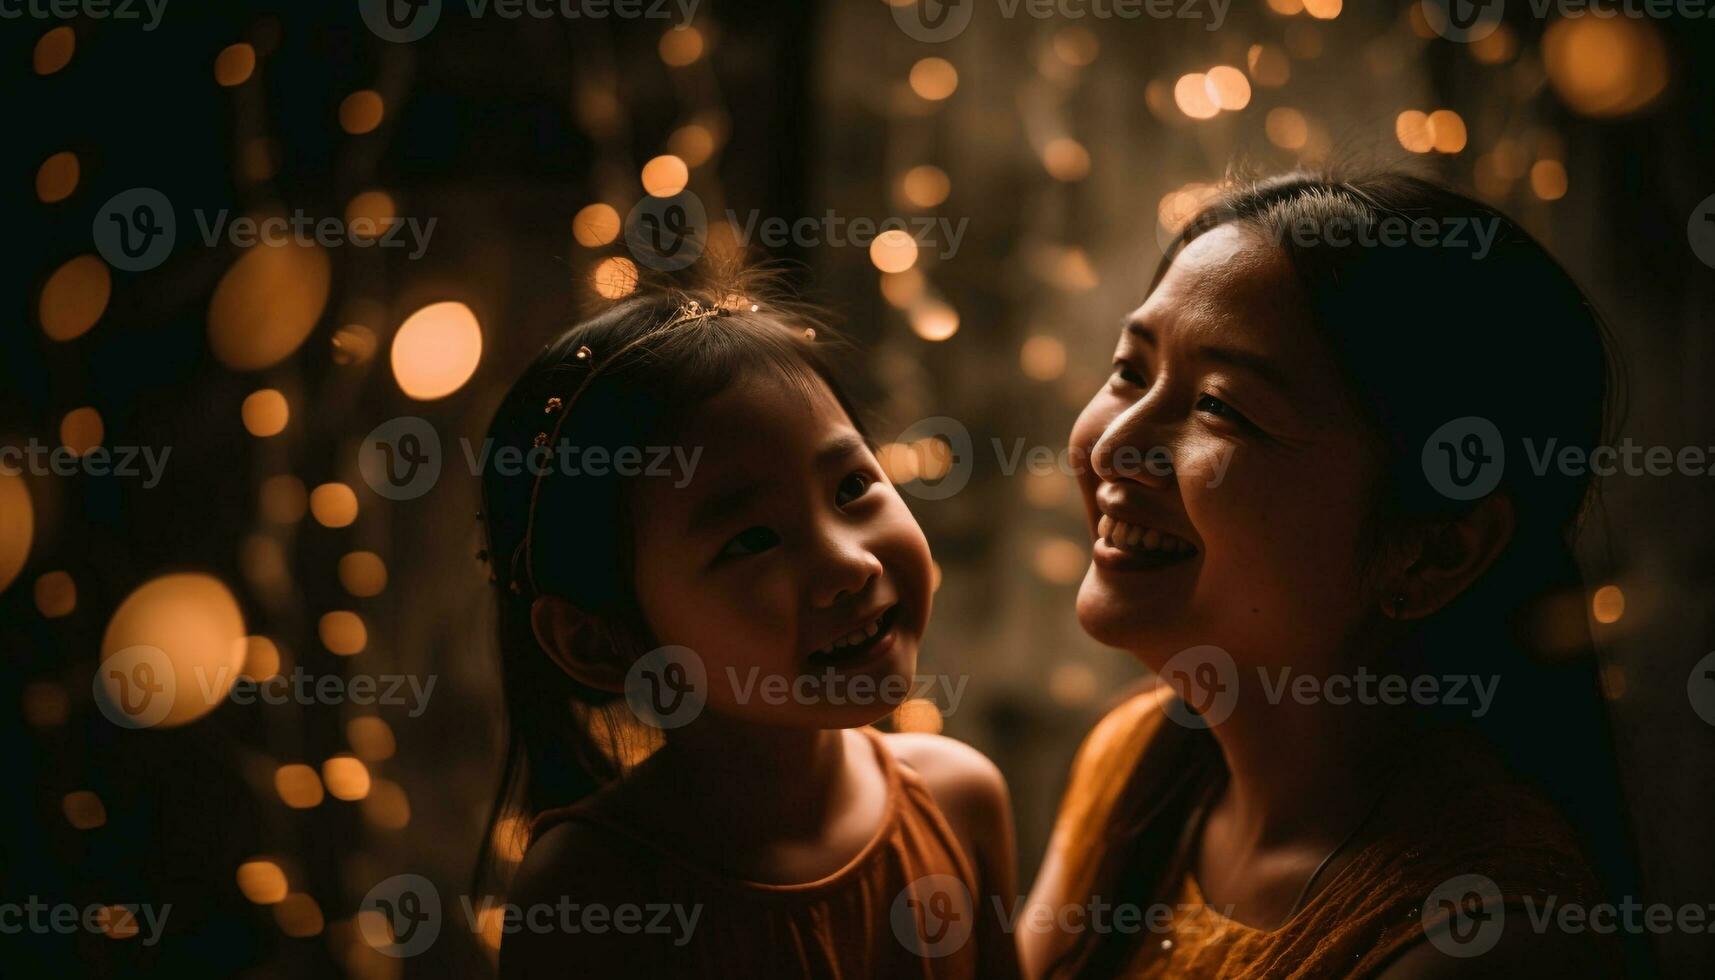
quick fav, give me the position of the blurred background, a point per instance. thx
(467, 179)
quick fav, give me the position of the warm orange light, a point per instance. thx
(84, 810)
(614, 277)
(54, 50)
(267, 303)
(1287, 128)
(1605, 66)
(1227, 87)
(1548, 179)
(1268, 65)
(363, 573)
(596, 225)
(56, 595)
(934, 321)
(1608, 604)
(1042, 358)
(371, 738)
(298, 785)
(81, 430)
(17, 526)
(361, 112)
(299, 916)
(194, 620)
(347, 778)
(665, 176)
(1497, 47)
(370, 215)
(925, 186)
(1322, 9)
(934, 79)
(262, 881)
(283, 499)
(57, 177)
(234, 65)
(893, 251)
(1065, 159)
(265, 413)
(74, 297)
(387, 806)
(917, 715)
(681, 46)
(1191, 95)
(436, 350)
(693, 143)
(1060, 561)
(901, 289)
(343, 632)
(1412, 129)
(1447, 130)
(261, 658)
(333, 505)
(1076, 46)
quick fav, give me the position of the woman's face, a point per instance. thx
(1250, 540)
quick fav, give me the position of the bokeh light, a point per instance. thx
(267, 303)
(362, 573)
(665, 176)
(893, 251)
(1548, 179)
(934, 79)
(342, 632)
(74, 297)
(934, 321)
(436, 350)
(1605, 66)
(55, 594)
(347, 778)
(82, 430)
(298, 785)
(84, 810)
(194, 620)
(262, 881)
(17, 526)
(925, 186)
(282, 499)
(234, 65)
(1043, 357)
(265, 412)
(298, 916)
(681, 46)
(371, 738)
(1227, 87)
(333, 505)
(614, 277)
(1066, 159)
(1191, 95)
(57, 177)
(361, 111)
(596, 225)
(53, 50)
(1608, 604)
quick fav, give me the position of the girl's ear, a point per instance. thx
(578, 643)
(1453, 556)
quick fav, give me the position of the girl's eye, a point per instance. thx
(1123, 372)
(750, 541)
(1211, 405)
(852, 487)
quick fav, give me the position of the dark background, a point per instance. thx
(502, 130)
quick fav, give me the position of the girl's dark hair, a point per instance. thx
(1429, 329)
(564, 739)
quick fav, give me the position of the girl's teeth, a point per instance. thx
(1134, 537)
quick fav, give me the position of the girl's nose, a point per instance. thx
(847, 568)
(1137, 445)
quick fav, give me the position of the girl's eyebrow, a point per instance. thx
(839, 447)
(719, 507)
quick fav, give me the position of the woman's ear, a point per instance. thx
(1453, 555)
(578, 643)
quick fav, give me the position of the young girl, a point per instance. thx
(707, 590)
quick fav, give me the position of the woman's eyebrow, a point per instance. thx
(1252, 361)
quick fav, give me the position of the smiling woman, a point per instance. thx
(1345, 836)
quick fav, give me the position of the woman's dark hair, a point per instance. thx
(563, 740)
(1428, 329)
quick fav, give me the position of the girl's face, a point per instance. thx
(1250, 540)
(788, 562)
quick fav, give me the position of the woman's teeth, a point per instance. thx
(1139, 539)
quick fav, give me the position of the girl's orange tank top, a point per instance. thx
(905, 906)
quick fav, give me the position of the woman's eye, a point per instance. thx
(1124, 372)
(1214, 406)
(852, 487)
(750, 541)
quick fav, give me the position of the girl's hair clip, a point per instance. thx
(540, 440)
(552, 406)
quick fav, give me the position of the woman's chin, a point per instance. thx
(1122, 621)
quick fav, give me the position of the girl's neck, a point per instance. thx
(757, 781)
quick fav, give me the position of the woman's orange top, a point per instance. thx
(1445, 819)
(905, 906)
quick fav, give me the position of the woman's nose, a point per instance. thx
(1137, 445)
(846, 569)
